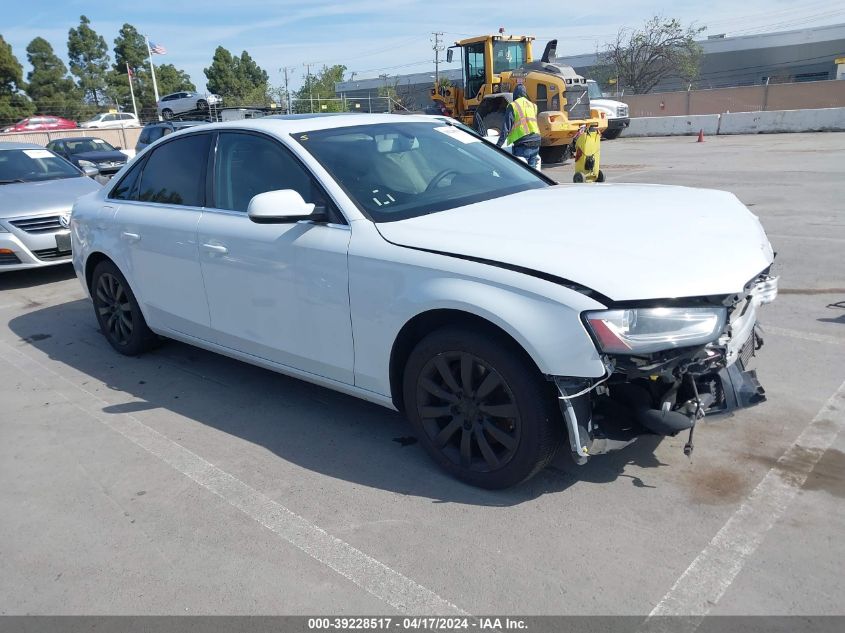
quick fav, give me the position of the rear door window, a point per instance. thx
(175, 172)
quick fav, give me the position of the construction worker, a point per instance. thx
(521, 129)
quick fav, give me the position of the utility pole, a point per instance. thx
(310, 90)
(438, 47)
(287, 92)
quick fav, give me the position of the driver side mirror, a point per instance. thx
(284, 206)
(91, 171)
(450, 53)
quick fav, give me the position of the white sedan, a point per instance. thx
(107, 120)
(408, 263)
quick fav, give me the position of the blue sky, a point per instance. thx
(379, 36)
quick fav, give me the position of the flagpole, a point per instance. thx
(153, 71)
(131, 90)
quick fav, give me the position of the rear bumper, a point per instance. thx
(557, 129)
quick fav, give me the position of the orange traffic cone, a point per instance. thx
(700, 136)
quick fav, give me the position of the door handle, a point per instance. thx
(216, 248)
(130, 237)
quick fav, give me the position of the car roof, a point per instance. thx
(77, 138)
(175, 124)
(10, 145)
(294, 123)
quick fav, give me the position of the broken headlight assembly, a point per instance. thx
(647, 330)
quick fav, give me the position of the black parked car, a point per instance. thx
(154, 131)
(88, 152)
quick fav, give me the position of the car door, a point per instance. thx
(275, 291)
(159, 204)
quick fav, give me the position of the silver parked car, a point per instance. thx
(37, 190)
(182, 102)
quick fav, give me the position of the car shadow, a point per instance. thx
(315, 428)
(27, 278)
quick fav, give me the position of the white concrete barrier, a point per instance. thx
(775, 121)
(673, 125)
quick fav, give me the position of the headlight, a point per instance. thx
(646, 330)
(87, 164)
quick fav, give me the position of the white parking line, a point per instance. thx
(705, 581)
(804, 336)
(397, 590)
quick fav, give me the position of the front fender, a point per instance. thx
(387, 292)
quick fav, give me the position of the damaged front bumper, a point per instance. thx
(666, 393)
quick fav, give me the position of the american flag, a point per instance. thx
(157, 49)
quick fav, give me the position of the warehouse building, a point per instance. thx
(414, 90)
(748, 60)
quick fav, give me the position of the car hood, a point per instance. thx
(627, 242)
(99, 157)
(49, 196)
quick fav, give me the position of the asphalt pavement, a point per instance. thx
(183, 482)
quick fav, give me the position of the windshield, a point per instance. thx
(33, 165)
(593, 90)
(88, 145)
(508, 56)
(395, 171)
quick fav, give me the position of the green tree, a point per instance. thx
(661, 48)
(130, 48)
(89, 60)
(13, 104)
(318, 91)
(239, 80)
(50, 86)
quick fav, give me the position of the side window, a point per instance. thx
(109, 117)
(175, 172)
(247, 165)
(475, 69)
(542, 98)
(127, 188)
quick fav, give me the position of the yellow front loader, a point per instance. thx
(493, 65)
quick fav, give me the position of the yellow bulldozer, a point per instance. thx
(493, 65)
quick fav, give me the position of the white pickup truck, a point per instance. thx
(616, 111)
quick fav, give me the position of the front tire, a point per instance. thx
(118, 312)
(609, 135)
(167, 113)
(480, 407)
(202, 105)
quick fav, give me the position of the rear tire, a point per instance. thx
(492, 121)
(554, 154)
(118, 312)
(167, 113)
(480, 408)
(600, 176)
(578, 177)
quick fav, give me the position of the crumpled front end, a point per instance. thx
(668, 391)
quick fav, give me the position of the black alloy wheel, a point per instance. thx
(113, 308)
(468, 411)
(118, 313)
(480, 406)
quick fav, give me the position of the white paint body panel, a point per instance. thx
(326, 303)
(628, 242)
